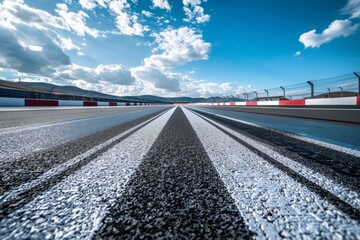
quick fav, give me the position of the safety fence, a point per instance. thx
(341, 86)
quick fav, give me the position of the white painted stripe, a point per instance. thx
(270, 201)
(227, 104)
(12, 102)
(240, 103)
(268, 103)
(70, 103)
(315, 177)
(332, 101)
(81, 199)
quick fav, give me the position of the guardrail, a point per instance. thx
(341, 86)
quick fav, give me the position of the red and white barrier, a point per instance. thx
(21, 102)
(346, 101)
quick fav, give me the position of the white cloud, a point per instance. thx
(146, 13)
(87, 4)
(163, 4)
(113, 73)
(194, 12)
(80, 54)
(159, 78)
(76, 21)
(66, 43)
(297, 54)
(15, 12)
(353, 8)
(178, 47)
(128, 25)
(30, 50)
(35, 48)
(207, 89)
(338, 28)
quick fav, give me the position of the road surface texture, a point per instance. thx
(174, 172)
(350, 114)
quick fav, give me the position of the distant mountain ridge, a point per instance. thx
(57, 88)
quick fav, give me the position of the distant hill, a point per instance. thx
(48, 87)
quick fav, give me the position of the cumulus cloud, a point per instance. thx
(163, 4)
(174, 47)
(30, 51)
(338, 28)
(353, 8)
(15, 12)
(87, 4)
(79, 53)
(194, 12)
(207, 89)
(159, 78)
(178, 47)
(76, 21)
(66, 43)
(126, 23)
(113, 73)
(146, 13)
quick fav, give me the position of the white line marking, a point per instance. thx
(273, 204)
(74, 208)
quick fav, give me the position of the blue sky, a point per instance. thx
(178, 47)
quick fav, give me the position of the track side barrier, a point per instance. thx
(21, 102)
(345, 101)
(40, 103)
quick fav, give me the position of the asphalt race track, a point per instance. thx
(166, 172)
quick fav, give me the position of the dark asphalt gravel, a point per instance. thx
(176, 192)
(36, 166)
(343, 206)
(28, 168)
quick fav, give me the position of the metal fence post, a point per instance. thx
(358, 82)
(246, 96)
(283, 91)
(312, 88)
(256, 94)
(267, 94)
